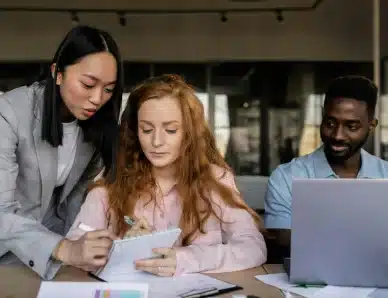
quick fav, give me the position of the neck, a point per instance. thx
(165, 178)
(348, 168)
(167, 173)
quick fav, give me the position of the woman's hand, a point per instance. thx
(141, 227)
(90, 252)
(165, 265)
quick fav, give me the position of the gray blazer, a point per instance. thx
(28, 172)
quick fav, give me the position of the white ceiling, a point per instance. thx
(157, 4)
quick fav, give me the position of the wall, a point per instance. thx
(338, 30)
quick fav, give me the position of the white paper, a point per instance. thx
(281, 281)
(50, 289)
(125, 252)
(172, 287)
(343, 292)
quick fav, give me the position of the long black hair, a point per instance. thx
(101, 129)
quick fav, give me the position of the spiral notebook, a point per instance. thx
(125, 252)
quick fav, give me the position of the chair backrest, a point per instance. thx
(253, 189)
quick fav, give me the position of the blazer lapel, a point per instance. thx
(83, 156)
(47, 157)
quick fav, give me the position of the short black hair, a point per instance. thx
(101, 129)
(355, 87)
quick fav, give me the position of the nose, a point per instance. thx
(338, 133)
(157, 138)
(96, 96)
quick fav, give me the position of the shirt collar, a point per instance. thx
(323, 170)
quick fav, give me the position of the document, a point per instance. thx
(50, 289)
(125, 252)
(343, 292)
(185, 286)
(281, 281)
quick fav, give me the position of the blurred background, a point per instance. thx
(260, 67)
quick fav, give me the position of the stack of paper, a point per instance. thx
(49, 289)
(281, 282)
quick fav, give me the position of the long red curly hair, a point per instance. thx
(199, 153)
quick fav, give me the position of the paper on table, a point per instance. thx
(343, 292)
(281, 281)
(125, 252)
(173, 286)
(49, 289)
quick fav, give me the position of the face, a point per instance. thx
(87, 85)
(345, 127)
(160, 130)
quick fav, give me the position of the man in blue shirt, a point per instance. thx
(347, 120)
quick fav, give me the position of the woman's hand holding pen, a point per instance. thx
(89, 252)
(137, 228)
(165, 265)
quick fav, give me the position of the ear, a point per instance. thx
(59, 74)
(373, 124)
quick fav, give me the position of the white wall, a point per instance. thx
(338, 30)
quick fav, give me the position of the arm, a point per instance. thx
(93, 213)
(277, 204)
(25, 237)
(243, 246)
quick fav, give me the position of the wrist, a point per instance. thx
(60, 252)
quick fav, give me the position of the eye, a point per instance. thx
(108, 90)
(171, 131)
(329, 123)
(87, 86)
(146, 131)
(352, 127)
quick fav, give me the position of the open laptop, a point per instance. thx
(339, 232)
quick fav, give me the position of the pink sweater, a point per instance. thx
(234, 245)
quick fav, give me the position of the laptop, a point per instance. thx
(339, 232)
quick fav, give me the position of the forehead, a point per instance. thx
(346, 109)
(159, 110)
(100, 65)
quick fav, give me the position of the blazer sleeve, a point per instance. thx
(25, 237)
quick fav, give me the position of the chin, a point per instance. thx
(159, 163)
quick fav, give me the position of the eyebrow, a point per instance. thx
(97, 79)
(164, 123)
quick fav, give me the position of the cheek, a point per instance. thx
(176, 144)
(73, 93)
(106, 97)
(144, 141)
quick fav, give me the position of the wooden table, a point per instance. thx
(22, 282)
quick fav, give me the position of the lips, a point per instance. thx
(90, 112)
(338, 148)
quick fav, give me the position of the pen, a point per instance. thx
(85, 227)
(129, 220)
(309, 286)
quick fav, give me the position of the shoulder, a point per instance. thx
(375, 167)
(223, 175)
(98, 195)
(20, 101)
(300, 167)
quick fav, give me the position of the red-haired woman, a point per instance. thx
(170, 174)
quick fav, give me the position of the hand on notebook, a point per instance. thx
(163, 266)
(141, 227)
(90, 252)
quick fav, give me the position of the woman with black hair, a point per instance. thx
(56, 135)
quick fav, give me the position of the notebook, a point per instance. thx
(125, 252)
